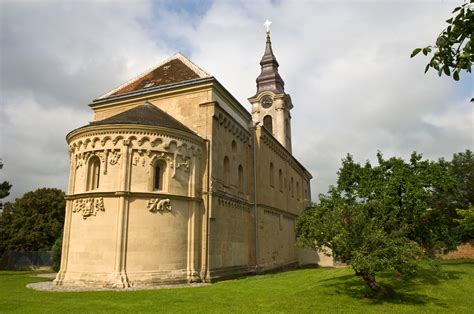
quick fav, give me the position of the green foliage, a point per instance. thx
(382, 217)
(462, 167)
(56, 251)
(5, 187)
(33, 222)
(454, 49)
(466, 223)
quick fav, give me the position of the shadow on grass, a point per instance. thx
(396, 291)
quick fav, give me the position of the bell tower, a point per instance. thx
(271, 105)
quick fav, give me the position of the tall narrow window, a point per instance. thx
(241, 178)
(292, 189)
(272, 178)
(268, 123)
(159, 169)
(158, 184)
(93, 173)
(297, 190)
(226, 171)
(280, 179)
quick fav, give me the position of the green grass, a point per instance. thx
(448, 289)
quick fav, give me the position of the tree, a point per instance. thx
(33, 222)
(454, 49)
(462, 168)
(381, 217)
(5, 189)
(466, 223)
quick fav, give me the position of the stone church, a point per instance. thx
(175, 181)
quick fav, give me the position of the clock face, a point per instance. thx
(267, 102)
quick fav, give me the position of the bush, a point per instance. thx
(56, 253)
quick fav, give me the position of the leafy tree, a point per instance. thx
(381, 217)
(5, 187)
(33, 222)
(453, 51)
(462, 167)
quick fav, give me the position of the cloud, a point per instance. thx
(345, 64)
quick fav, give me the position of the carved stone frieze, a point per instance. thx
(88, 206)
(157, 205)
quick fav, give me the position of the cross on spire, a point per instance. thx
(267, 26)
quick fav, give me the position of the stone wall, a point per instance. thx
(465, 250)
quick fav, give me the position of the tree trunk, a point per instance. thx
(370, 282)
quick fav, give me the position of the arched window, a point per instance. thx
(241, 178)
(93, 173)
(234, 146)
(226, 171)
(268, 123)
(158, 175)
(280, 179)
(272, 178)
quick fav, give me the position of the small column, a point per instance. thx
(119, 276)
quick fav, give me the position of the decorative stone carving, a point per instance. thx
(88, 206)
(157, 205)
(115, 157)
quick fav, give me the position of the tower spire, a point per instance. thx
(269, 78)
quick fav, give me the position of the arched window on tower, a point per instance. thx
(241, 178)
(268, 123)
(93, 174)
(272, 176)
(226, 171)
(280, 180)
(159, 175)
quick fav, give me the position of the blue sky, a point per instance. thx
(346, 65)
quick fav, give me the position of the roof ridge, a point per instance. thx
(177, 56)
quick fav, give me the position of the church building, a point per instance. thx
(175, 181)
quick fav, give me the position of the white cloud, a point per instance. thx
(345, 64)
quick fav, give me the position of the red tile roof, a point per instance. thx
(176, 69)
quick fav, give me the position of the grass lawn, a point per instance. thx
(449, 289)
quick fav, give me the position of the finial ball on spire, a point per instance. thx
(267, 26)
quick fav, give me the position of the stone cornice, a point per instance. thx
(281, 151)
(229, 123)
(130, 194)
(135, 129)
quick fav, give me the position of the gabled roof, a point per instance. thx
(176, 69)
(147, 114)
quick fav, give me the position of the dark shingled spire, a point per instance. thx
(269, 78)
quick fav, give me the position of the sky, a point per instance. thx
(345, 64)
